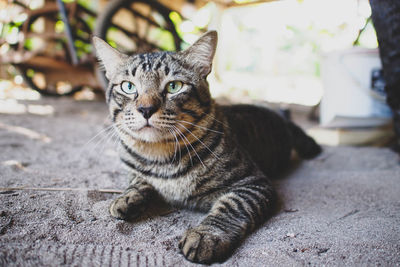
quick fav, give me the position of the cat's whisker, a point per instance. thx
(192, 146)
(177, 148)
(212, 152)
(116, 138)
(173, 158)
(116, 145)
(175, 145)
(179, 135)
(215, 119)
(201, 127)
(182, 136)
(99, 133)
(109, 136)
(113, 133)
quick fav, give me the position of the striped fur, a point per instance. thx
(196, 154)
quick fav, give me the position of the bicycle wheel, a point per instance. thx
(50, 71)
(136, 26)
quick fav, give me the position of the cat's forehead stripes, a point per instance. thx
(134, 71)
(166, 70)
(150, 62)
(167, 64)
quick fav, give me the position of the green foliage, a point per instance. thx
(59, 26)
(29, 44)
(164, 39)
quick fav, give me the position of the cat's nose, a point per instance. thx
(147, 111)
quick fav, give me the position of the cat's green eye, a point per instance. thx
(174, 87)
(128, 87)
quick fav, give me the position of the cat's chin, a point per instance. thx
(150, 135)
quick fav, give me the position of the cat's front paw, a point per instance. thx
(203, 247)
(128, 206)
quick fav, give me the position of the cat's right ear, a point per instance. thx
(108, 56)
(200, 54)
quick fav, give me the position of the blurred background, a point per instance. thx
(319, 54)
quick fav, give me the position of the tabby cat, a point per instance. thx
(194, 153)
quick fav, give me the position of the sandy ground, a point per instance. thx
(342, 208)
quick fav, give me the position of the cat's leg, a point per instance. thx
(233, 215)
(133, 201)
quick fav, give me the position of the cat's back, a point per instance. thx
(262, 133)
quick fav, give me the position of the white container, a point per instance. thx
(346, 77)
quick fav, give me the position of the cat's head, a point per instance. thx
(150, 96)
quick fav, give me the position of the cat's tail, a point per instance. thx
(305, 146)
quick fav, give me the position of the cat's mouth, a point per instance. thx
(149, 133)
(147, 126)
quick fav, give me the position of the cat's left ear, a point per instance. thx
(110, 57)
(200, 55)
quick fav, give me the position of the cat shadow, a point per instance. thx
(294, 164)
(278, 180)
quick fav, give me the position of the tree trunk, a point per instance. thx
(386, 18)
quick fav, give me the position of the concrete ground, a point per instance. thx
(340, 209)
